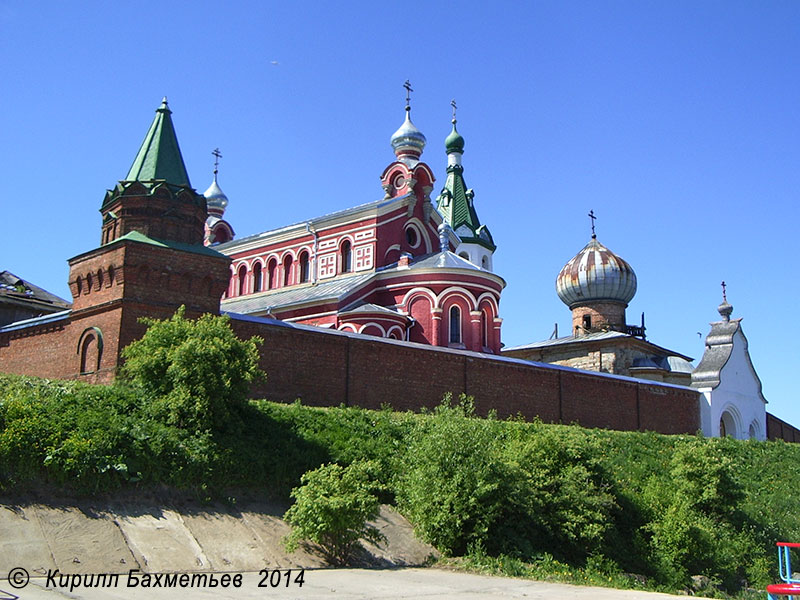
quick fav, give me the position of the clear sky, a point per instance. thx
(677, 122)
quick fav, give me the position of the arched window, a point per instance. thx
(347, 256)
(272, 266)
(464, 255)
(484, 329)
(455, 325)
(89, 283)
(110, 275)
(90, 350)
(99, 278)
(587, 322)
(257, 277)
(287, 269)
(303, 267)
(79, 285)
(242, 279)
(485, 263)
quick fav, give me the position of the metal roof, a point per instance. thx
(595, 337)
(264, 302)
(160, 157)
(51, 318)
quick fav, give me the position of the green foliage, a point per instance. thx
(450, 487)
(558, 496)
(525, 498)
(331, 509)
(196, 373)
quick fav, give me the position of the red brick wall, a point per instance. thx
(329, 368)
(777, 429)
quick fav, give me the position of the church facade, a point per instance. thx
(398, 267)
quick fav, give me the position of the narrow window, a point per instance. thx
(287, 269)
(271, 268)
(484, 329)
(257, 277)
(88, 354)
(242, 279)
(587, 322)
(455, 325)
(347, 257)
(303, 267)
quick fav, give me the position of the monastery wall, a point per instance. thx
(329, 368)
(777, 429)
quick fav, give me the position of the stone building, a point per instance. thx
(597, 286)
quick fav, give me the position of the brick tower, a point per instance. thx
(151, 259)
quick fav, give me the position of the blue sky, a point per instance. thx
(676, 122)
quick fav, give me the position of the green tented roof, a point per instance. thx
(160, 156)
(455, 205)
(136, 236)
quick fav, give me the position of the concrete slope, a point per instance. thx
(117, 535)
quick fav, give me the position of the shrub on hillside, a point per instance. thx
(698, 526)
(195, 372)
(451, 485)
(331, 509)
(558, 497)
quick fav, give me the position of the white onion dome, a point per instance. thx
(596, 274)
(408, 139)
(216, 200)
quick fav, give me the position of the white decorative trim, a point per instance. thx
(378, 325)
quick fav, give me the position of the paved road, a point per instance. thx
(344, 584)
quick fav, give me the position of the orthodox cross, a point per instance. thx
(724, 295)
(593, 218)
(407, 85)
(453, 104)
(217, 155)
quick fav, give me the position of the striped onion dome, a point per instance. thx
(596, 274)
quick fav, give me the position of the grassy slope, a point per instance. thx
(97, 438)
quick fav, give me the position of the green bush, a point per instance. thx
(450, 487)
(196, 373)
(331, 509)
(558, 497)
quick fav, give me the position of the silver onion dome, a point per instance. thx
(596, 274)
(216, 200)
(408, 139)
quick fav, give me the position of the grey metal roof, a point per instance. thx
(571, 339)
(264, 302)
(16, 287)
(44, 319)
(594, 337)
(368, 307)
(719, 347)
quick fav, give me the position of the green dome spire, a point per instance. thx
(454, 142)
